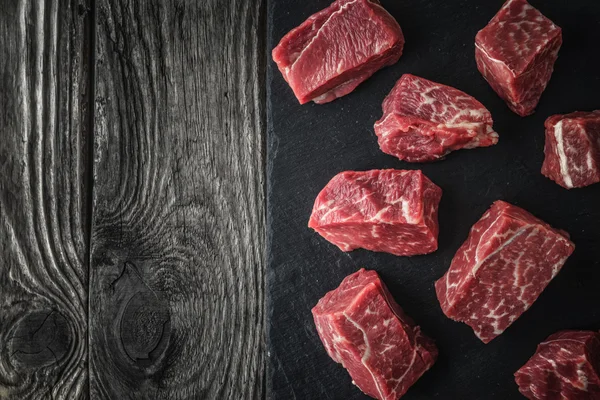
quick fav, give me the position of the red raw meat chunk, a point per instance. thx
(423, 121)
(565, 366)
(516, 52)
(364, 329)
(389, 210)
(338, 48)
(508, 259)
(573, 149)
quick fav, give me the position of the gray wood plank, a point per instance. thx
(178, 226)
(44, 226)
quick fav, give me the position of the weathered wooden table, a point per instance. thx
(132, 199)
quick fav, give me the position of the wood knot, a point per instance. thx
(144, 323)
(41, 338)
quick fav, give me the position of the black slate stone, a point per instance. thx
(308, 145)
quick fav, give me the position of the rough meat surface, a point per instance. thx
(364, 329)
(516, 52)
(508, 259)
(423, 121)
(338, 48)
(573, 149)
(390, 210)
(565, 366)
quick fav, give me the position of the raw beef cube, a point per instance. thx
(573, 149)
(423, 121)
(508, 259)
(516, 52)
(565, 366)
(381, 210)
(336, 49)
(364, 329)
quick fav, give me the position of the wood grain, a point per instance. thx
(176, 282)
(44, 109)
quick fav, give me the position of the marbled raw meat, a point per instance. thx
(392, 211)
(338, 48)
(424, 121)
(507, 261)
(565, 366)
(573, 149)
(516, 53)
(364, 329)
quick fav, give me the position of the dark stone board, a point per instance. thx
(309, 144)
